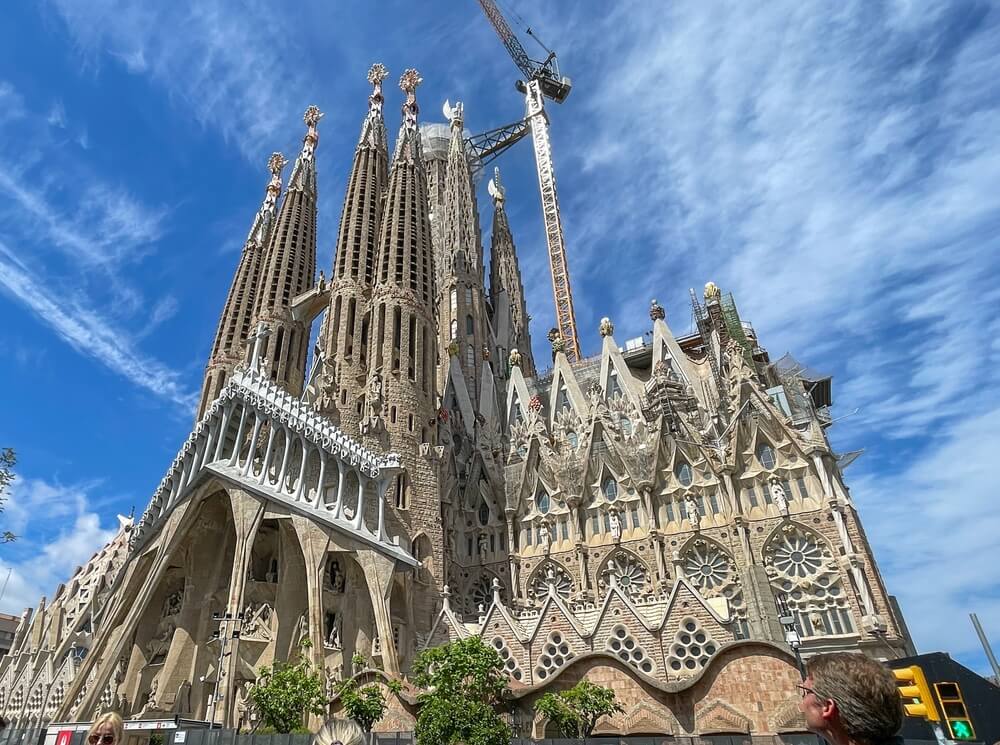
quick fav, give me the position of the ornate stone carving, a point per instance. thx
(607, 328)
(515, 358)
(656, 312)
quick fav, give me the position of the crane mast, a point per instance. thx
(543, 81)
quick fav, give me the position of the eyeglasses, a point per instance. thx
(806, 690)
(102, 739)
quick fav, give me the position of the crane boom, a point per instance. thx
(542, 81)
(524, 63)
(562, 292)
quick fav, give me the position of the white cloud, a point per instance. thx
(58, 530)
(233, 67)
(91, 334)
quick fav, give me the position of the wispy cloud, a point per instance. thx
(58, 530)
(234, 68)
(90, 334)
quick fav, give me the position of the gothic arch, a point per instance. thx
(479, 591)
(559, 577)
(712, 569)
(633, 574)
(802, 569)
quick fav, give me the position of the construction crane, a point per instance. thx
(541, 80)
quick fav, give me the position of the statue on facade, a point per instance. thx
(515, 358)
(481, 546)
(778, 495)
(616, 525)
(373, 404)
(544, 536)
(337, 579)
(333, 622)
(817, 623)
(691, 511)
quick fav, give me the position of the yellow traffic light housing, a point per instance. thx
(916, 694)
(955, 712)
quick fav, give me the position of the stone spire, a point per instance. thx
(347, 327)
(234, 324)
(289, 268)
(400, 399)
(461, 304)
(506, 288)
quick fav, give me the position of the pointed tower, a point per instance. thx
(348, 318)
(234, 324)
(400, 406)
(506, 289)
(462, 320)
(289, 268)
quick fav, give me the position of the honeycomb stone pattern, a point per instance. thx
(691, 649)
(509, 663)
(555, 653)
(623, 646)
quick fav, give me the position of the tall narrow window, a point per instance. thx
(801, 483)
(470, 326)
(411, 348)
(380, 339)
(351, 313)
(396, 333)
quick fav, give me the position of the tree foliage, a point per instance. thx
(285, 692)
(464, 685)
(8, 459)
(365, 705)
(575, 712)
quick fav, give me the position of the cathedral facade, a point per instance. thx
(663, 517)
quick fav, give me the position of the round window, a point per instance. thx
(684, 475)
(765, 454)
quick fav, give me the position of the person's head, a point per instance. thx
(107, 729)
(848, 696)
(339, 732)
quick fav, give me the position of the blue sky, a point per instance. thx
(835, 167)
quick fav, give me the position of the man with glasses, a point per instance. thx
(850, 699)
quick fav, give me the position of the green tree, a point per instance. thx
(8, 459)
(575, 712)
(464, 685)
(365, 705)
(285, 692)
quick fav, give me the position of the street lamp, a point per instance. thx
(787, 620)
(223, 635)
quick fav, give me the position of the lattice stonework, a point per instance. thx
(551, 574)
(691, 649)
(801, 567)
(713, 572)
(509, 663)
(628, 571)
(624, 646)
(555, 654)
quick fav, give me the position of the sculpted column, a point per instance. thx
(378, 571)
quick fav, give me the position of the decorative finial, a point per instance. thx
(556, 340)
(607, 328)
(712, 291)
(409, 81)
(276, 163)
(376, 74)
(656, 312)
(454, 114)
(495, 188)
(515, 357)
(311, 118)
(453, 348)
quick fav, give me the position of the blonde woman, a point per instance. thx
(107, 729)
(339, 732)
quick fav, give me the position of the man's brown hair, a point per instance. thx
(865, 692)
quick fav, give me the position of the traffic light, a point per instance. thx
(916, 694)
(955, 713)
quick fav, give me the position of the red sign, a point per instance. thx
(65, 737)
